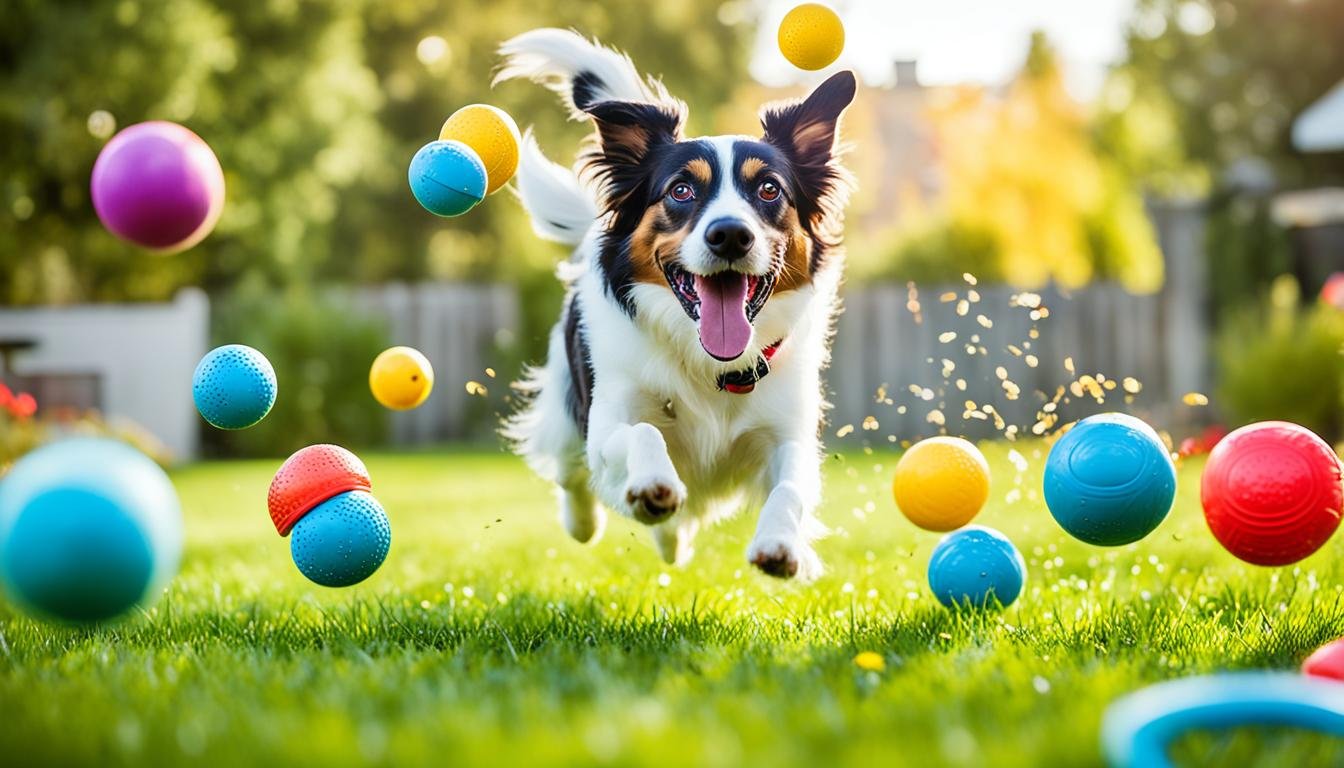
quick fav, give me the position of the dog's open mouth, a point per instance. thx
(723, 305)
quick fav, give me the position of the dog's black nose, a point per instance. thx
(729, 239)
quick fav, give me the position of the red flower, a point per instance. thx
(6, 397)
(24, 406)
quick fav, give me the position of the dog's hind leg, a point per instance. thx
(675, 539)
(580, 513)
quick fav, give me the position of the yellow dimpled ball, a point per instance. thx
(941, 483)
(401, 378)
(811, 36)
(493, 134)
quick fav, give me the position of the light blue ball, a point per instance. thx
(89, 528)
(342, 541)
(972, 565)
(1109, 480)
(234, 386)
(447, 178)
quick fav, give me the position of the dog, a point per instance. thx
(683, 378)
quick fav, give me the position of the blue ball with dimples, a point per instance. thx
(447, 178)
(234, 386)
(341, 541)
(89, 528)
(975, 566)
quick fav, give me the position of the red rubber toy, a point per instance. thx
(308, 478)
(1272, 492)
(1327, 661)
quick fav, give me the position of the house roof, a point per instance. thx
(1320, 127)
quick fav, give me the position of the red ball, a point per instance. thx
(1272, 493)
(1327, 661)
(308, 478)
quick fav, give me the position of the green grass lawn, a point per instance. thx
(490, 638)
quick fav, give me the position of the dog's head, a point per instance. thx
(723, 223)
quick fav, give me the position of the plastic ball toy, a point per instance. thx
(1109, 480)
(1327, 661)
(811, 36)
(973, 565)
(1272, 493)
(401, 378)
(342, 541)
(234, 386)
(309, 477)
(941, 483)
(493, 134)
(320, 498)
(1139, 728)
(158, 185)
(89, 529)
(447, 178)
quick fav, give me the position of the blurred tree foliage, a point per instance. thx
(314, 108)
(1029, 199)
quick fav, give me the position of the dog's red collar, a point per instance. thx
(744, 381)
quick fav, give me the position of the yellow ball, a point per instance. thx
(811, 36)
(941, 483)
(493, 134)
(401, 378)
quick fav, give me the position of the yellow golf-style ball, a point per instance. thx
(493, 134)
(401, 378)
(811, 36)
(941, 483)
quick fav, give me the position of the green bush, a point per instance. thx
(1283, 361)
(940, 250)
(321, 353)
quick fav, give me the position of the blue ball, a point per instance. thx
(341, 541)
(234, 386)
(447, 177)
(89, 528)
(972, 565)
(1109, 480)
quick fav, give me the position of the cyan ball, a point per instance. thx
(89, 528)
(974, 566)
(342, 541)
(447, 178)
(234, 386)
(1109, 480)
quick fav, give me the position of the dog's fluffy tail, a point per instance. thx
(583, 73)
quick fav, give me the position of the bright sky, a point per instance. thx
(956, 41)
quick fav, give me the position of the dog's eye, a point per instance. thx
(769, 191)
(681, 192)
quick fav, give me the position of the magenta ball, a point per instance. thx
(158, 185)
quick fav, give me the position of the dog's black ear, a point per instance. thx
(629, 134)
(805, 131)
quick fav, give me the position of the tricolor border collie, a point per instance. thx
(683, 377)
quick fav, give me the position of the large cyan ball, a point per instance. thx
(976, 566)
(89, 528)
(342, 541)
(1109, 480)
(234, 386)
(1272, 492)
(447, 178)
(158, 185)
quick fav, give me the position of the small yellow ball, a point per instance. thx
(493, 134)
(941, 483)
(811, 36)
(401, 378)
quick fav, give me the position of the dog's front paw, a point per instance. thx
(785, 559)
(654, 499)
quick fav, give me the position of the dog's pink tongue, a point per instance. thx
(724, 328)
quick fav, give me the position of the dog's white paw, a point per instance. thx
(653, 499)
(785, 558)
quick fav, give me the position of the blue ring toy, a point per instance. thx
(1138, 728)
(234, 386)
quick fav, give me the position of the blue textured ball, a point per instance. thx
(89, 528)
(234, 386)
(1109, 480)
(342, 541)
(971, 565)
(447, 178)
